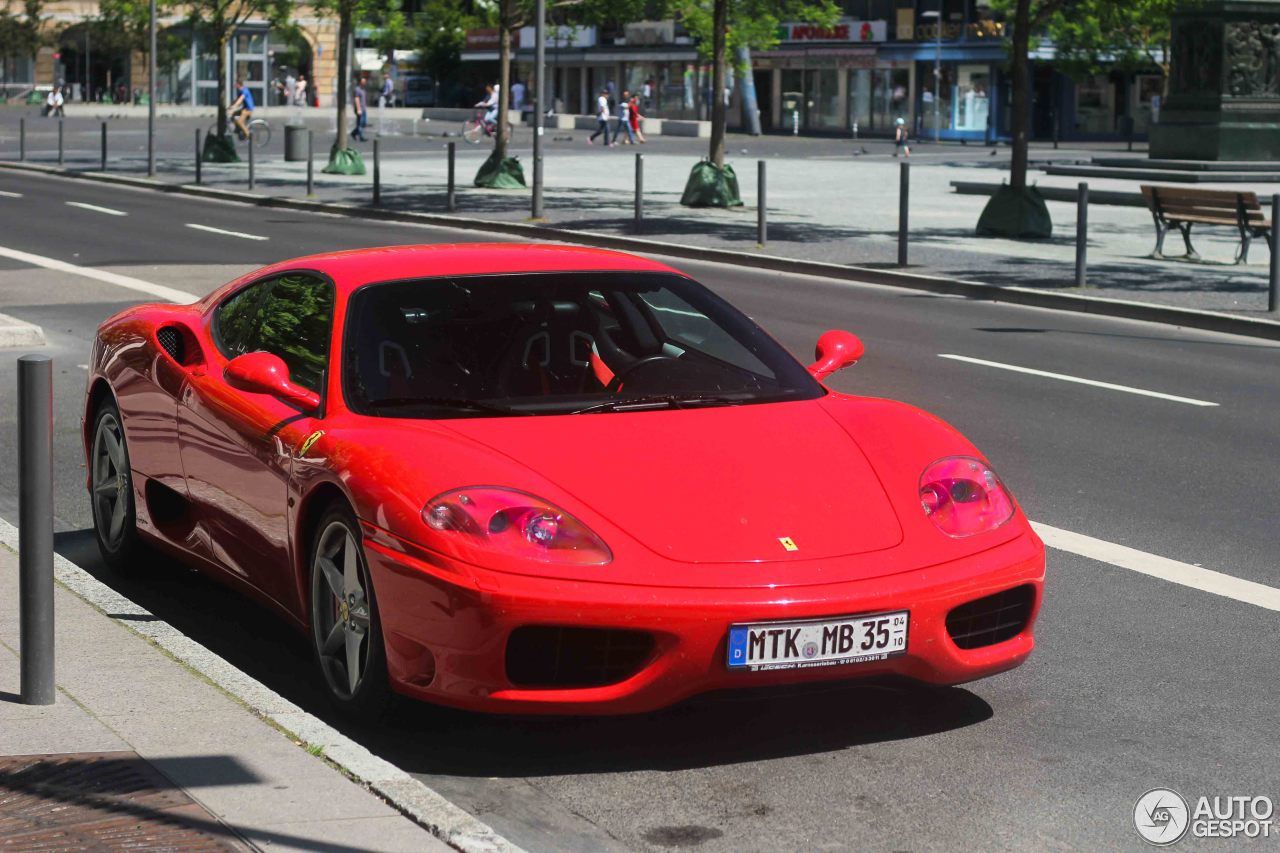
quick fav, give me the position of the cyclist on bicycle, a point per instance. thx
(241, 108)
(490, 102)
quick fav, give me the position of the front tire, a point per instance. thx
(473, 131)
(260, 133)
(111, 491)
(346, 632)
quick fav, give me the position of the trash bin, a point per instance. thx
(295, 142)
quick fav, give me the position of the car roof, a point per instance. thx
(355, 267)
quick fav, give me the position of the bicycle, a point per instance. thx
(474, 129)
(259, 130)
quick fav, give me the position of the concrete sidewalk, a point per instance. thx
(137, 746)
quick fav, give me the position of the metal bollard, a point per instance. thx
(450, 201)
(197, 156)
(104, 146)
(904, 187)
(22, 139)
(311, 164)
(59, 142)
(377, 174)
(1273, 294)
(639, 192)
(35, 528)
(251, 147)
(762, 206)
(1082, 232)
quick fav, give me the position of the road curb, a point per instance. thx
(421, 804)
(1212, 321)
(15, 333)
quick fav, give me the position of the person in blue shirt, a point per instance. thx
(242, 108)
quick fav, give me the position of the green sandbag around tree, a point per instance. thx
(711, 187)
(1019, 214)
(507, 175)
(219, 149)
(344, 161)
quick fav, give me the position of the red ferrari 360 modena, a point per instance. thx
(543, 479)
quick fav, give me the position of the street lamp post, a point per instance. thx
(937, 70)
(539, 85)
(151, 96)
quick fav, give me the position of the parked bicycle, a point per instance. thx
(259, 130)
(475, 129)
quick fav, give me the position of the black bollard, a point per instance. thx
(311, 164)
(59, 142)
(22, 139)
(251, 147)
(377, 175)
(450, 201)
(197, 156)
(904, 187)
(639, 192)
(1273, 294)
(35, 528)
(104, 146)
(762, 208)
(1082, 232)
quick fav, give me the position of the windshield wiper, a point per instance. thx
(446, 402)
(658, 401)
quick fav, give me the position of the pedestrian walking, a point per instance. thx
(624, 119)
(901, 138)
(387, 97)
(300, 91)
(602, 118)
(360, 103)
(647, 93)
(635, 118)
(517, 96)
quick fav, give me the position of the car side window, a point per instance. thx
(289, 316)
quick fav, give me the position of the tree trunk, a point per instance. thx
(344, 76)
(720, 26)
(1021, 94)
(504, 77)
(221, 66)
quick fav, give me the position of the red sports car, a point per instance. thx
(534, 478)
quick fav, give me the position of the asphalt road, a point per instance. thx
(1137, 682)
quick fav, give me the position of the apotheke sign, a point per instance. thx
(844, 30)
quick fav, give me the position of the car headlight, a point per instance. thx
(481, 520)
(963, 496)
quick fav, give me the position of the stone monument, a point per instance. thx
(1224, 83)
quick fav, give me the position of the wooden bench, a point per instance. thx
(1182, 207)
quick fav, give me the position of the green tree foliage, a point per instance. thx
(124, 25)
(440, 33)
(721, 26)
(290, 316)
(1090, 36)
(20, 22)
(218, 21)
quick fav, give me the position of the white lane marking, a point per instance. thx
(1065, 378)
(8, 194)
(86, 206)
(158, 290)
(213, 230)
(1195, 577)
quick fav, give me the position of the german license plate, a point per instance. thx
(760, 646)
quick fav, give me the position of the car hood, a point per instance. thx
(754, 483)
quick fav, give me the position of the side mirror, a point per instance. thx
(836, 350)
(266, 373)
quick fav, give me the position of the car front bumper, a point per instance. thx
(446, 627)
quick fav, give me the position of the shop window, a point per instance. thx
(1095, 105)
(971, 97)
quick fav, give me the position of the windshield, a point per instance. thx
(557, 343)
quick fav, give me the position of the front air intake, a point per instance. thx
(991, 620)
(552, 656)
